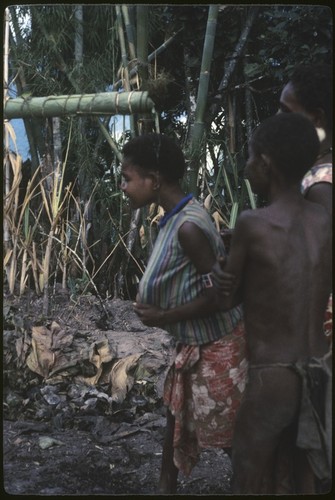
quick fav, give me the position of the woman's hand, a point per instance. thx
(149, 315)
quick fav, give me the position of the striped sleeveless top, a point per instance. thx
(170, 279)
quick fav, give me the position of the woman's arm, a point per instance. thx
(198, 249)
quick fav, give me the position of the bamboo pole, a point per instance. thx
(124, 57)
(197, 146)
(105, 103)
(129, 31)
(6, 233)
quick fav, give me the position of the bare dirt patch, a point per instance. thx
(90, 419)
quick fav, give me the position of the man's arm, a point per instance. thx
(234, 264)
(322, 193)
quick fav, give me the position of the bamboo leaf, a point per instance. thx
(26, 226)
(10, 130)
(45, 201)
(233, 215)
(24, 271)
(227, 184)
(251, 195)
(7, 257)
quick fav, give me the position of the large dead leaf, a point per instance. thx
(121, 377)
(22, 347)
(47, 346)
(99, 355)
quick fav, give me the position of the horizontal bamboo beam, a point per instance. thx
(105, 103)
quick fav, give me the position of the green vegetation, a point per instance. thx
(213, 72)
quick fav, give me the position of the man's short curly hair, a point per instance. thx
(290, 140)
(156, 152)
(313, 87)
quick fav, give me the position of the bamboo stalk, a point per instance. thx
(105, 103)
(197, 137)
(46, 269)
(123, 48)
(129, 31)
(12, 269)
(142, 12)
(5, 97)
(110, 140)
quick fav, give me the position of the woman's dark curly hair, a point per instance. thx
(290, 140)
(156, 152)
(313, 87)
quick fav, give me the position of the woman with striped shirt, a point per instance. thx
(205, 384)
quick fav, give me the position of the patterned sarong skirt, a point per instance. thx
(203, 390)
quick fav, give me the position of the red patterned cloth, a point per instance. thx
(203, 390)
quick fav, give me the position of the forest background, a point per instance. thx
(208, 75)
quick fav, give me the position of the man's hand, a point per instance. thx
(224, 282)
(226, 235)
(149, 315)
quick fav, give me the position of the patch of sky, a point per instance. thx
(21, 143)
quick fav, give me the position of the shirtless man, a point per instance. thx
(281, 258)
(310, 91)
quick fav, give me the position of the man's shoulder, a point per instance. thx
(252, 217)
(252, 224)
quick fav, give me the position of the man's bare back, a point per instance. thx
(286, 279)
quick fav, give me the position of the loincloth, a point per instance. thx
(203, 390)
(314, 434)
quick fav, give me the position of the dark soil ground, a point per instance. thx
(77, 464)
(60, 440)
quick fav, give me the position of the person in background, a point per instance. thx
(310, 91)
(281, 257)
(204, 385)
